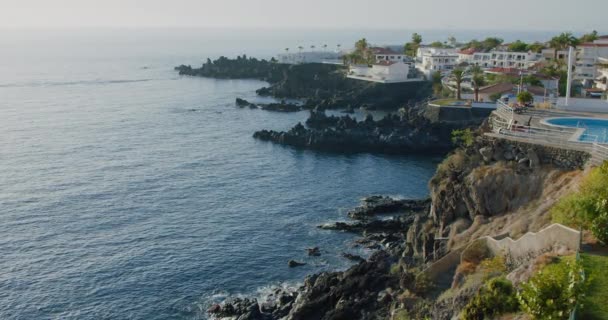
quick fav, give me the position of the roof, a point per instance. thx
(385, 63)
(468, 51)
(379, 50)
(509, 87)
(603, 37)
(497, 88)
(505, 70)
(591, 44)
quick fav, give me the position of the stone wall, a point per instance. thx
(504, 149)
(456, 114)
(533, 244)
(443, 266)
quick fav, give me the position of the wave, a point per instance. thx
(72, 83)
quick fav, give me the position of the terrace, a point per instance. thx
(580, 131)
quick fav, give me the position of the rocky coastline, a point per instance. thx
(318, 85)
(406, 132)
(366, 290)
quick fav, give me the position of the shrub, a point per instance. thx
(553, 292)
(423, 284)
(476, 252)
(495, 298)
(395, 269)
(401, 314)
(493, 267)
(463, 137)
(525, 97)
(587, 208)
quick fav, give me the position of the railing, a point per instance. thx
(599, 154)
(529, 132)
(576, 307)
(504, 111)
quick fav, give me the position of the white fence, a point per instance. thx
(599, 154)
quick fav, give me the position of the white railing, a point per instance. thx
(599, 154)
(537, 133)
(504, 111)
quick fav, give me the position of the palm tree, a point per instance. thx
(479, 79)
(300, 48)
(324, 47)
(458, 76)
(338, 46)
(312, 47)
(286, 50)
(563, 41)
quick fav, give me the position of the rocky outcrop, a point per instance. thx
(321, 85)
(373, 205)
(403, 133)
(280, 106)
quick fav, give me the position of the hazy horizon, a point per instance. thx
(518, 15)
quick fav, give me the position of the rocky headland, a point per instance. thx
(318, 85)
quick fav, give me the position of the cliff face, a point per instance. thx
(492, 178)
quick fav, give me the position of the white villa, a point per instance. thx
(383, 72)
(386, 54)
(505, 59)
(601, 82)
(430, 60)
(587, 56)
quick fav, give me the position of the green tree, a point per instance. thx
(518, 46)
(589, 37)
(437, 44)
(563, 41)
(436, 81)
(479, 80)
(536, 47)
(452, 41)
(458, 76)
(411, 48)
(525, 97)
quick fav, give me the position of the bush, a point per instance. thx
(423, 284)
(495, 298)
(553, 292)
(493, 267)
(587, 208)
(476, 252)
(525, 97)
(463, 137)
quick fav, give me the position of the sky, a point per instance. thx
(341, 14)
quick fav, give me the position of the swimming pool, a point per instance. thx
(595, 129)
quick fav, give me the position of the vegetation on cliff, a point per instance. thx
(587, 208)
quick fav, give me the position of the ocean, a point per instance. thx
(129, 192)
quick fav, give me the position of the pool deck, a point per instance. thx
(533, 117)
(532, 130)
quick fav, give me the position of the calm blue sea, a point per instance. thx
(128, 192)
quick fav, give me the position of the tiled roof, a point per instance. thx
(468, 51)
(591, 44)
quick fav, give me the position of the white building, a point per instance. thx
(384, 72)
(505, 59)
(309, 57)
(587, 56)
(386, 54)
(601, 81)
(430, 60)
